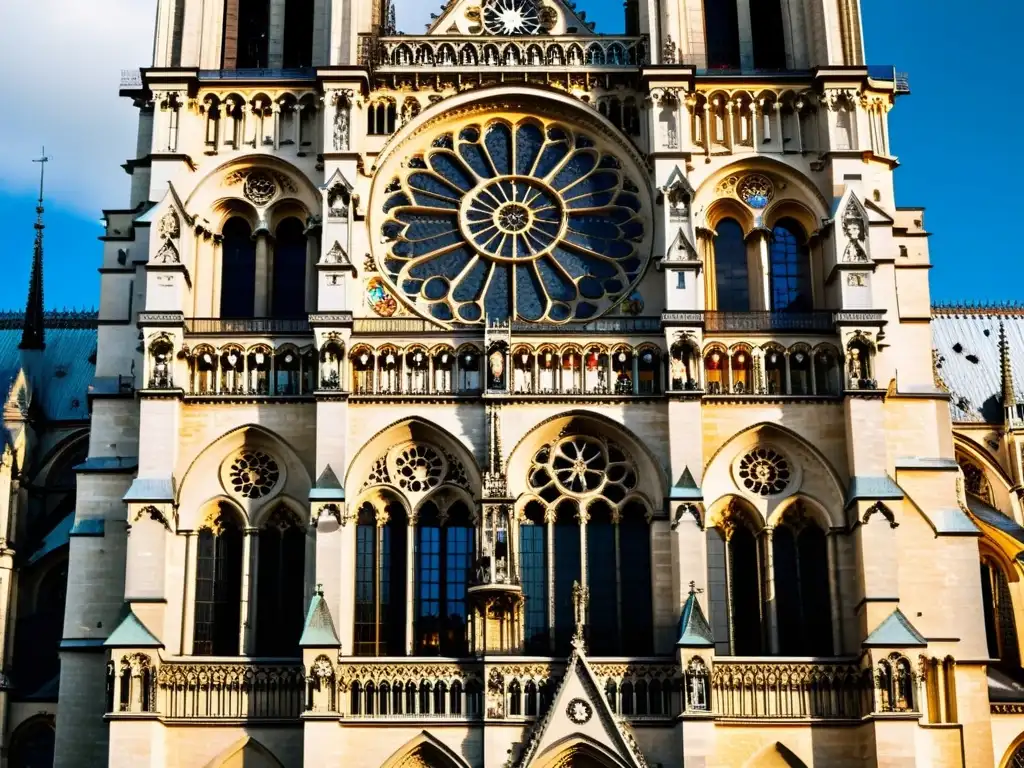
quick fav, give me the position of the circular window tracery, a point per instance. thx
(764, 471)
(582, 466)
(524, 218)
(253, 474)
(512, 17)
(418, 468)
(259, 188)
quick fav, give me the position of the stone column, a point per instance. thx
(261, 303)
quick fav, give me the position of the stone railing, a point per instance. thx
(463, 54)
(399, 689)
(230, 689)
(790, 689)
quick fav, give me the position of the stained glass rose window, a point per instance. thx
(529, 219)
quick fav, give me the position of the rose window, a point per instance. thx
(511, 17)
(418, 468)
(764, 471)
(580, 466)
(254, 474)
(532, 221)
(756, 191)
(259, 188)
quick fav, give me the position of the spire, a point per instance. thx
(1009, 398)
(32, 335)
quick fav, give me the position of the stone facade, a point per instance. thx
(514, 395)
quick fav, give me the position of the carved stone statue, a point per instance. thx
(853, 227)
(341, 123)
(497, 368)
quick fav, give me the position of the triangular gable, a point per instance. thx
(319, 631)
(466, 18)
(132, 633)
(580, 713)
(694, 630)
(677, 180)
(895, 631)
(681, 249)
(686, 488)
(848, 211)
(336, 178)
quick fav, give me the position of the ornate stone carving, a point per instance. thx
(254, 474)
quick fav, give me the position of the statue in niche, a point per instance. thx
(341, 122)
(856, 234)
(497, 369)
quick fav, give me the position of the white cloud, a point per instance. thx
(64, 60)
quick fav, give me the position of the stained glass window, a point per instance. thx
(533, 563)
(732, 282)
(529, 219)
(790, 268)
(444, 556)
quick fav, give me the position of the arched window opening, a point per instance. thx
(1000, 628)
(602, 570)
(827, 376)
(258, 371)
(445, 549)
(288, 373)
(790, 268)
(533, 568)
(721, 27)
(32, 744)
(634, 533)
(380, 581)
(298, 33)
(289, 291)
(858, 365)
(800, 372)
(40, 623)
(280, 583)
(246, 34)
(775, 371)
(800, 557)
(531, 699)
(648, 371)
(218, 598)
(715, 374)
(732, 283)
(238, 270)
(734, 584)
(769, 37)
(515, 699)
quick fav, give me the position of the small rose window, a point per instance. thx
(764, 471)
(254, 474)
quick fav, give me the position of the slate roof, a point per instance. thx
(694, 630)
(896, 631)
(967, 342)
(68, 362)
(319, 629)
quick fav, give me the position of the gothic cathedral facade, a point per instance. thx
(512, 394)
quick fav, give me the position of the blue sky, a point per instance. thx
(963, 110)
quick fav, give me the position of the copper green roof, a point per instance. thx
(319, 629)
(895, 632)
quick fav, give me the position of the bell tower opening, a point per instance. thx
(298, 34)
(722, 30)
(769, 37)
(246, 34)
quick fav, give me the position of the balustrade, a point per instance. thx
(790, 689)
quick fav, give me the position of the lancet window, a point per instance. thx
(732, 280)
(445, 552)
(586, 516)
(1000, 626)
(769, 587)
(789, 268)
(381, 535)
(218, 585)
(280, 584)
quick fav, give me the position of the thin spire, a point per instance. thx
(1009, 398)
(32, 334)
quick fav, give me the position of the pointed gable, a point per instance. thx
(685, 488)
(694, 629)
(132, 633)
(328, 487)
(580, 715)
(319, 631)
(896, 631)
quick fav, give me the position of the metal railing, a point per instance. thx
(262, 73)
(252, 325)
(762, 322)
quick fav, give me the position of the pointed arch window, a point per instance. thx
(445, 548)
(790, 268)
(238, 270)
(800, 561)
(732, 282)
(289, 291)
(567, 571)
(380, 581)
(218, 598)
(722, 29)
(280, 585)
(734, 584)
(1000, 627)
